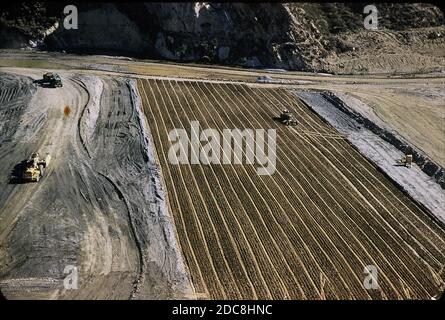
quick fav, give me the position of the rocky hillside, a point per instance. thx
(297, 36)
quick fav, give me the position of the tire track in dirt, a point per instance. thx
(139, 278)
(142, 265)
(97, 206)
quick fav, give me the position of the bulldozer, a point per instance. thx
(287, 118)
(52, 80)
(35, 167)
(406, 161)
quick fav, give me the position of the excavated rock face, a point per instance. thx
(242, 34)
(297, 36)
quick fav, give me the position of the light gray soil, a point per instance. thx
(99, 207)
(421, 187)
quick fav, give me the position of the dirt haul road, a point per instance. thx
(99, 206)
(305, 232)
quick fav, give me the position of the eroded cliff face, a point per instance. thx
(242, 34)
(295, 36)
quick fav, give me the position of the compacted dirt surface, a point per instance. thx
(134, 226)
(99, 206)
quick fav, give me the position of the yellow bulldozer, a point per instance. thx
(35, 167)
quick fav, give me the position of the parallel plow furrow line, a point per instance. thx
(355, 193)
(359, 193)
(253, 274)
(326, 206)
(251, 201)
(175, 206)
(216, 257)
(210, 205)
(250, 168)
(289, 206)
(371, 186)
(412, 230)
(268, 113)
(206, 235)
(274, 200)
(355, 154)
(323, 215)
(317, 207)
(363, 177)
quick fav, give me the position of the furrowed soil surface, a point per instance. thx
(417, 113)
(382, 148)
(99, 206)
(305, 232)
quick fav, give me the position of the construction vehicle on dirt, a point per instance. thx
(34, 168)
(52, 80)
(287, 118)
(406, 161)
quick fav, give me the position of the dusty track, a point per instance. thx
(98, 206)
(305, 232)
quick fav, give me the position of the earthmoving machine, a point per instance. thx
(287, 118)
(34, 167)
(52, 79)
(407, 160)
